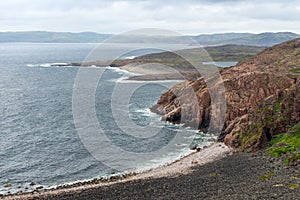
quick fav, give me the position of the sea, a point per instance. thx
(40, 141)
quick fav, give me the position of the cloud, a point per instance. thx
(189, 17)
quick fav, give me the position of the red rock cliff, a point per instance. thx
(261, 92)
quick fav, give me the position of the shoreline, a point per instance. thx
(182, 166)
(238, 176)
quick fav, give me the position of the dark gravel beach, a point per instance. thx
(240, 176)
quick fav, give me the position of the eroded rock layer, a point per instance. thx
(262, 98)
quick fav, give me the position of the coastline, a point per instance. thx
(180, 167)
(220, 175)
(147, 69)
(212, 173)
(152, 72)
(185, 168)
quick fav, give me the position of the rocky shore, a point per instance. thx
(178, 168)
(238, 176)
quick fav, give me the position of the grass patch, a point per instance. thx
(249, 139)
(277, 108)
(267, 176)
(287, 144)
(295, 70)
(293, 158)
(213, 175)
(293, 186)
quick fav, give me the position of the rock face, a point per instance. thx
(262, 97)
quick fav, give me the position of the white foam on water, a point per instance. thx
(50, 65)
(130, 57)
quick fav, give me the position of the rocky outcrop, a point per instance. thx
(262, 98)
(275, 114)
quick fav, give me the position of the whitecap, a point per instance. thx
(49, 65)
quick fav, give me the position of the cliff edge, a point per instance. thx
(262, 96)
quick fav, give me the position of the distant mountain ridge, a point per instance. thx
(52, 37)
(249, 39)
(264, 39)
(219, 38)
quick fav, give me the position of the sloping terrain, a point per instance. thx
(262, 95)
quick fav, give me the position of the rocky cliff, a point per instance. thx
(262, 97)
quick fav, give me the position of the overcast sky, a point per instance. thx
(184, 16)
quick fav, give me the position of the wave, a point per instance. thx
(49, 65)
(57, 65)
(130, 57)
(163, 161)
(126, 80)
(119, 70)
(145, 111)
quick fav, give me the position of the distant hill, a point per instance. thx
(262, 39)
(52, 37)
(224, 53)
(219, 38)
(249, 39)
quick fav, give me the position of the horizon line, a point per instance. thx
(214, 33)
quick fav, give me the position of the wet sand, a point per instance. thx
(148, 69)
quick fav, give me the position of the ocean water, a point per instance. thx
(39, 141)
